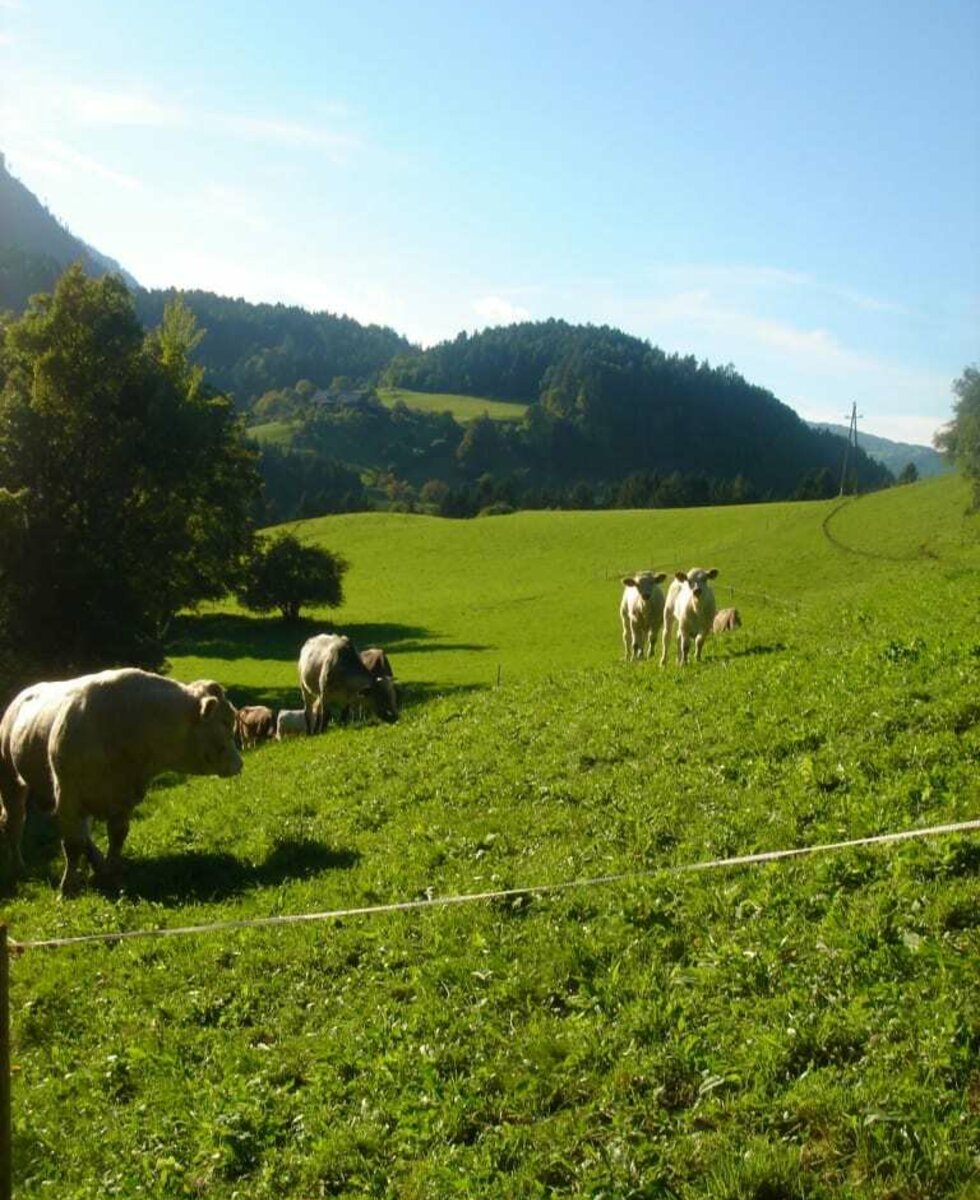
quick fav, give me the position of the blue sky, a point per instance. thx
(790, 187)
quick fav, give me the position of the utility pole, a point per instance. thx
(852, 439)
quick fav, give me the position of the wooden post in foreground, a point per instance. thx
(6, 1136)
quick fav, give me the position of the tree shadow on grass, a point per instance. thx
(412, 693)
(194, 876)
(755, 651)
(234, 635)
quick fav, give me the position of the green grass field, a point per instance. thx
(463, 408)
(803, 1029)
(272, 433)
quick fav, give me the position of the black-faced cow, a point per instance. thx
(87, 749)
(691, 603)
(331, 673)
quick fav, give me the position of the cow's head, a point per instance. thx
(211, 748)
(697, 579)
(644, 581)
(384, 698)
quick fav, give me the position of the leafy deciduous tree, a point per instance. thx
(960, 439)
(284, 574)
(127, 485)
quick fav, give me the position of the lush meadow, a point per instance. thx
(809, 1028)
(463, 408)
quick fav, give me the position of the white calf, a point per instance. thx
(641, 610)
(691, 603)
(726, 620)
(291, 722)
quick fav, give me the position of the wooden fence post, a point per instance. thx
(6, 1136)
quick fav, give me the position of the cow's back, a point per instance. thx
(673, 597)
(331, 668)
(27, 731)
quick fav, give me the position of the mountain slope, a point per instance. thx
(35, 247)
(894, 455)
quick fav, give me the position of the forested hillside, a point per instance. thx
(609, 420)
(605, 405)
(252, 348)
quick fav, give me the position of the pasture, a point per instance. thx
(273, 433)
(803, 1029)
(463, 408)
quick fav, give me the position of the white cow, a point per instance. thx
(641, 610)
(691, 603)
(291, 722)
(87, 748)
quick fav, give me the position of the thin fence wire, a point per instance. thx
(742, 860)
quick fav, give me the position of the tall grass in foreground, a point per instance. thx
(805, 1029)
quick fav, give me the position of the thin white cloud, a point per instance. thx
(46, 109)
(56, 159)
(288, 133)
(94, 106)
(97, 106)
(495, 310)
(741, 279)
(230, 204)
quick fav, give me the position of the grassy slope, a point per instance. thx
(803, 1030)
(536, 592)
(463, 408)
(272, 433)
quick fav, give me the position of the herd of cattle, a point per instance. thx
(689, 604)
(331, 673)
(86, 749)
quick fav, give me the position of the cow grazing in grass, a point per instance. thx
(726, 619)
(255, 723)
(291, 722)
(331, 672)
(641, 611)
(691, 604)
(379, 664)
(87, 749)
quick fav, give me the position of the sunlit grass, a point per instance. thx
(801, 1029)
(463, 408)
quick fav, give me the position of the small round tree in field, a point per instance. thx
(284, 573)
